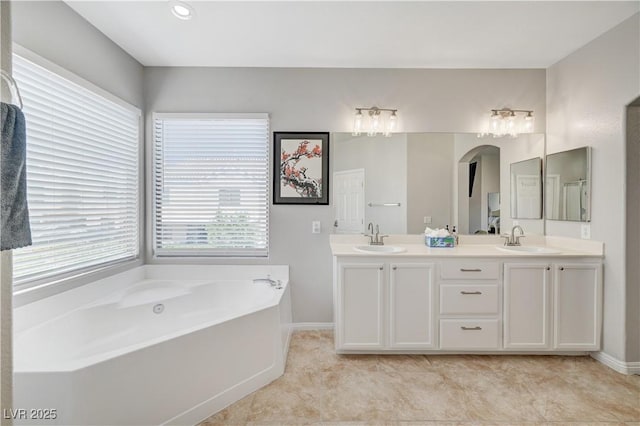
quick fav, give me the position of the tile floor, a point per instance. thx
(320, 387)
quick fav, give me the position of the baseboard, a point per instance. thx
(617, 365)
(300, 326)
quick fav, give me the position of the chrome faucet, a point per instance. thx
(273, 283)
(512, 239)
(375, 239)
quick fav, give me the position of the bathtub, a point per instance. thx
(158, 344)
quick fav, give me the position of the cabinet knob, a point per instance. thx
(381, 268)
(548, 268)
(562, 268)
(394, 268)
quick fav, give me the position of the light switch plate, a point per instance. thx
(585, 231)
(427, 220)
(315, 227)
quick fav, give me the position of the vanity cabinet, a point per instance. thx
(360, 306)
(554, 306)
(469, 292)
(527, 306)
(467, 304)
(577, 306)
(384, 306)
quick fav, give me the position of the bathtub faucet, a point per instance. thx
(273, 283)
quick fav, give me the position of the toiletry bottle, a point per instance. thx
(455, 235)
(446, 227)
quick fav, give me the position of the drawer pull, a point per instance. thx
(470, 270)
(470, 292)
(471, 328)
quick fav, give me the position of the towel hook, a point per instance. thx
(13, 87)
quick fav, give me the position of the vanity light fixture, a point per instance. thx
(376, 122)
(506, 122)
(181, 10)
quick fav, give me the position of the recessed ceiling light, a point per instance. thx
(181, 10)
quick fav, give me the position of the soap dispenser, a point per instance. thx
(455, 235)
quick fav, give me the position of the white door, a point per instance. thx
(411, 306)
(360, 311)
(577, 293)
(527, 306)
(348, 201)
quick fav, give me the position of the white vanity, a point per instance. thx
(473, 298)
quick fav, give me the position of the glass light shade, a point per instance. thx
(392, 124)
(374, 124)
(495, 123)
(357, 123)
(527, 126)
(510, 125)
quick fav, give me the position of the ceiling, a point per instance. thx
(355, 34)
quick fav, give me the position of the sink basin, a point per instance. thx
(380, 249)
(530, 249)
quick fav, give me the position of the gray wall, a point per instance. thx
(586, 97)
(429, 180)
(324, 100)
(54, 31)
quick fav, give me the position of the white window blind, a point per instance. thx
(82, 177)
(211, 184)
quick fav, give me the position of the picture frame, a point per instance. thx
(301, 168)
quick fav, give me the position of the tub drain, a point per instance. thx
(158, 309)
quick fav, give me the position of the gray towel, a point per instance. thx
(15, 231)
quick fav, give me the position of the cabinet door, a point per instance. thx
(577, 293)
(527, 306)
(360, 310)
(411, 306)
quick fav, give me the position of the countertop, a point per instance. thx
(469, 246)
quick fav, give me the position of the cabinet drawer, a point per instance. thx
(460, 299)
(468, 334)
(470, 270)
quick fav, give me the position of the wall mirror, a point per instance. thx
(412, 180)
(568, 186)
(526, 189)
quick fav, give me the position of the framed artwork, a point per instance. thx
(301, 168)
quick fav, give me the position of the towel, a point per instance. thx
(15, 231)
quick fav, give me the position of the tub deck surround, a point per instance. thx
(160, 344)
(473, 298)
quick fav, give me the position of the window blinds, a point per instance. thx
(82, 177)
(211, 183)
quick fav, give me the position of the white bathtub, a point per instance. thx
(155, 345)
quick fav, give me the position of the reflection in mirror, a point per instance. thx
(479, 171)
(567, 185)
(526, 189)
(411, 180)
(398, 182)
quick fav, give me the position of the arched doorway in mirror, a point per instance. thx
(479, 191)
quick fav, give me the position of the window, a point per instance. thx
(211, 184)
(82, 177)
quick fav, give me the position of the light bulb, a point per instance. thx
(392, 124)
(374, 125)
(357, 123)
